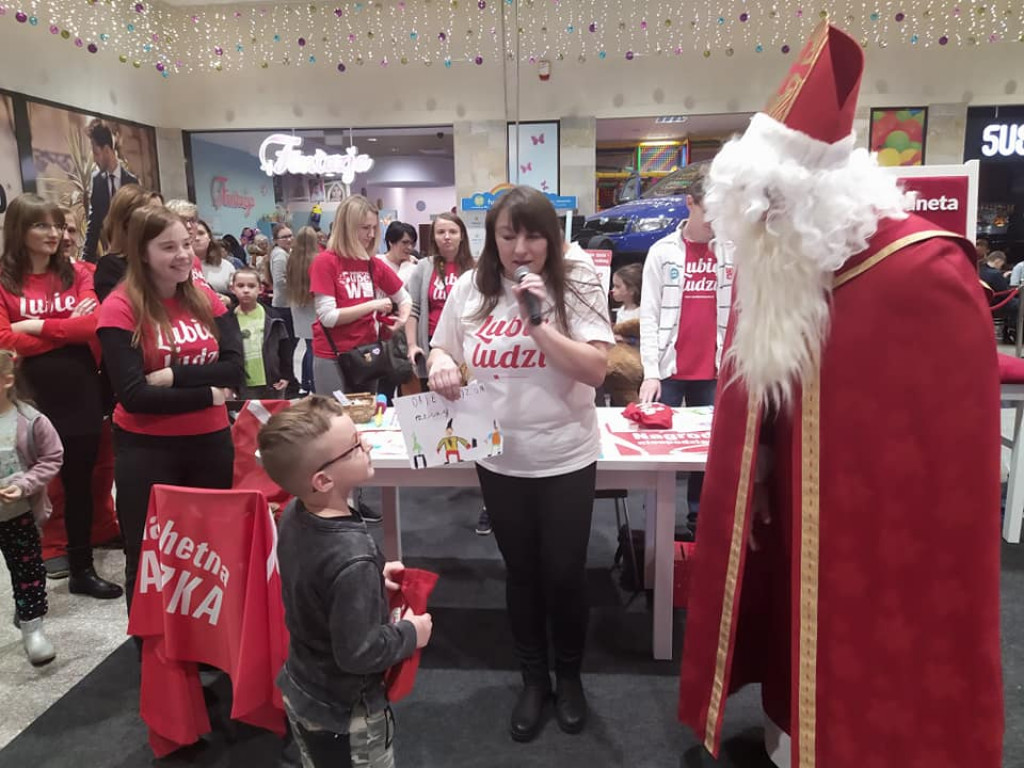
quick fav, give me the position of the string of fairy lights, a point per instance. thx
(445, 33)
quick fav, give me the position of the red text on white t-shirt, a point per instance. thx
(491, 351)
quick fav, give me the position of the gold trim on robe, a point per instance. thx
(843, 277)
(732, 574)
(810, 541)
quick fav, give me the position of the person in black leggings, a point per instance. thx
(532, 323)
(47, 316)
(174, 355)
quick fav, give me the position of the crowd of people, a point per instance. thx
(819, 525)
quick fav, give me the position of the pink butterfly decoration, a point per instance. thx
(537, 139)
(526, 168)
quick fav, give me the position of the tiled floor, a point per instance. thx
(84, 631)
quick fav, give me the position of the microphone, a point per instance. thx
(532, 304)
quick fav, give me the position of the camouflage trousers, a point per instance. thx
(366, 745)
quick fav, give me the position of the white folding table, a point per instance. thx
(632, 459)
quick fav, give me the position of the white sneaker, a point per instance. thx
(38, 648)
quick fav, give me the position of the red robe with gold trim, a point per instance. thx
(870, 611)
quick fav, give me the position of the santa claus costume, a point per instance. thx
(848, 557)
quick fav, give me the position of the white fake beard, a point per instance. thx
(795, 210)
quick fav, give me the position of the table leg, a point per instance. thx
(1013, 515)
(664, 543)
(650, 527)
(392, 523)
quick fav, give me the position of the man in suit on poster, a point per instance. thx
(110, 176)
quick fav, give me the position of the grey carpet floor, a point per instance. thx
(457, 715)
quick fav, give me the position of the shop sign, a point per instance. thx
(280, 153)
(223, 197)
(942, 200)
(1004, 140)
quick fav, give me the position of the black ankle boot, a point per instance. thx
(570, 705)
(87, 582)
(528, 714)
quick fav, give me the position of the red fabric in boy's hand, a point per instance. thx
(653, 415)
(414, 587)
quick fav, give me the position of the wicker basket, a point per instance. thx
(364, 405)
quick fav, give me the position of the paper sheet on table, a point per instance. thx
(690, 433)
(438, 431)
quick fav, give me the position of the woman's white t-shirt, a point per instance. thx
(219, 277)
(548, 420)
(622, 314)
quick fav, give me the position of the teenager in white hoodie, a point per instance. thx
(684, 307)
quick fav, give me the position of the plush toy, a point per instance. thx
(625, 372)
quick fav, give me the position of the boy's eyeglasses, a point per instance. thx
(359, 445)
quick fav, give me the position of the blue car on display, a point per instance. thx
(632, 227)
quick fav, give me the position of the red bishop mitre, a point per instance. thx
(819, 95)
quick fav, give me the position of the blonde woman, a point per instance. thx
(345, 281)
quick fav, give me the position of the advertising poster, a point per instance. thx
(63, 157)
(533, 155)
(898, 135)
(10, 173)
(946, 195)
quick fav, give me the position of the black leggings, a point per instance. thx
(23, 553)
(76, 472)
(142, 461)
(542, 527)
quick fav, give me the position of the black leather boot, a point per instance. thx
(86, 582)
(528, 714)
(570, 704)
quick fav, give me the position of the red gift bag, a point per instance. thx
(414, 587)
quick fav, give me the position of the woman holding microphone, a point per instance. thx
(531, 322)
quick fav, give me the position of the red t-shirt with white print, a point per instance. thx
(191, 343)
(348, 281)
(438, 294)
(197, 274)
(43, 297)
(698, 315)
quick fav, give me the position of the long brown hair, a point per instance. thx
(304, 248)
(216, 251)
(144, 226)
(125, 202)
(15, 264)
(463, 257)
(530, 211)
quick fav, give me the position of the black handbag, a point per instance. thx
(365, 365)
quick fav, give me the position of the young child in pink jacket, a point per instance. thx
(30, 457)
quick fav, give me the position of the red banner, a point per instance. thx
(943, 200)
(658, 442)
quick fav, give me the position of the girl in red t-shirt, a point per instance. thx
(432, 281)
(47, 307)
(345, 281)
(174, 355)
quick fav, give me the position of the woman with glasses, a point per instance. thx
(47, 316)
(174, 355)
